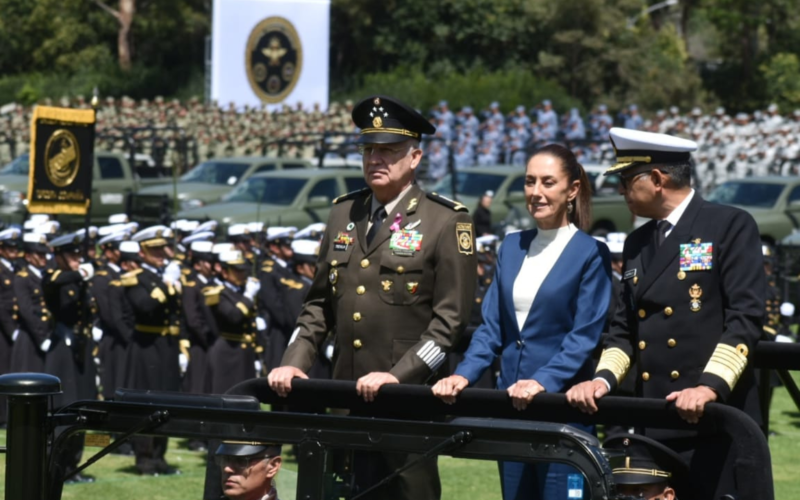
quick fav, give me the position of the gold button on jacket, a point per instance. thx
(356, 316)
(668, 311)
(672, 342)
(357, 344)
(674, 375)
(360, 290)
(645, 376)
(642, 345)
(642, 313)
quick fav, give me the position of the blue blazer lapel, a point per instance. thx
(512, 265)
(562, 271)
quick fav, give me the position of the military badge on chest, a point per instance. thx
(697, 256)
(342, 242)
(695, 293)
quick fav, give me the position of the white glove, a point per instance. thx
(172, 273)
(784, 339)
(251, 288)
(87, 271)
(183, 361)
(261, 325)
(97, 334)
(329, 352)
(45, 345)
(258, 368)
(14, 336)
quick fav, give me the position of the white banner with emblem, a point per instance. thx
(270, 51)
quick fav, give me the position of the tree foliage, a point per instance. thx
(585, 50)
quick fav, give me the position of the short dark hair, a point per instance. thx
(679, 173)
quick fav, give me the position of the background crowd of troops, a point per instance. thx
(731, 145)
(158, 308)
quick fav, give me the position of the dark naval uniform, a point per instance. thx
(152, 361)
(116, 320)
(232, 357)
(690, 314)
(8, 324)
(396, 305)
(70, 355)
(35, 321)
(271, 302)
(200, 329)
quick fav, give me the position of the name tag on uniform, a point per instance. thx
(629, 274)
(405, 242)
(342, 241)
(697, 256)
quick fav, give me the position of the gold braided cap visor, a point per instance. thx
(630, 158)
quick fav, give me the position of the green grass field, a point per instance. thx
(116, 477)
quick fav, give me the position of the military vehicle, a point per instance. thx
(774, 202)
(113, 182)
(609, 211)
(205, 184)
(283, 197)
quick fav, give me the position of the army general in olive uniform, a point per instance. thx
(395, 280)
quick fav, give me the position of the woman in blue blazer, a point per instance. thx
(545, 311)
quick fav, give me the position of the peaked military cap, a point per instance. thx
(201, 236)
(311, 232)
(277, 233)
(118, 219)
(154, 236)
(114, 239)
(209, 225)
(68, 243)
(10, 237)
(634, 147)
(386, 120)
(33, 242)
(305, 251)
(234, 259)
(129, 250)
(646, 461)
(246, 448)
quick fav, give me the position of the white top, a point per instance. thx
(677, 212)
(543, 253)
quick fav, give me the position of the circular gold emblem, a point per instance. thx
(62, 157)
(274, 59)
(465, 240)
(377, 122)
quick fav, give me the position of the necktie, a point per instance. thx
(661, 233)
(377, 222)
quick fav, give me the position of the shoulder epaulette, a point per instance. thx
(351, 195)
(211, 294)
(101, 272)
(23, 274)
(454, 205)
(130, 278)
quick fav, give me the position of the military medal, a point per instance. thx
(387, 285)
(350, 226)
(412, 287)
(695, 293)
(696, 256)
(412, 225)
(333, 277)
(405, 242)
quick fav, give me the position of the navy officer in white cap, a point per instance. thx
(691, 307)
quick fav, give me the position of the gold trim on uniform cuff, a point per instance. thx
(400, 131)
(728, 363)
(616, 361)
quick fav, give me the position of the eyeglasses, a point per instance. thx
(238, 463)
(627, 180)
